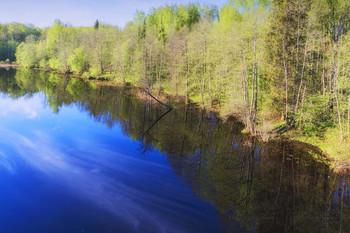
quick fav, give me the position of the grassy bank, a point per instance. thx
(335, 148)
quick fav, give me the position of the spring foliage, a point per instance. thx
(264, 61)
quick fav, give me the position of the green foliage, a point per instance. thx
(193, 15)
(229, 15)
(317, 118)
(163, 20)
(26, 54)
(77, 61)
(31, 53)
(334, 16)
(13, 34)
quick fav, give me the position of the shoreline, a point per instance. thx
(4, 65)
(336, 162)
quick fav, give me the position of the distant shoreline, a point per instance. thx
(8, 65)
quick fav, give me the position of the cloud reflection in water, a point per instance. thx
(109, 179)
(26, 107)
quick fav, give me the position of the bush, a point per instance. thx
(77, 61)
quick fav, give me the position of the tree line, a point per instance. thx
(263, 61)
(11, 35)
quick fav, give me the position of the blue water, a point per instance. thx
(67, 173)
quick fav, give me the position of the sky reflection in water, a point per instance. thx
(67, 173)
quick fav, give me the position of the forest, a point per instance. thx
(280, 67)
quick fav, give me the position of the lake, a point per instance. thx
(79, 157)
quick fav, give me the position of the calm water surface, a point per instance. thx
(77, 157)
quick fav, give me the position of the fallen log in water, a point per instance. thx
(168, 106)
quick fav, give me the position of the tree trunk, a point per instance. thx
(349, 117)
(286, 79)
(296, 79)
(302, 109)
(255, 80)
(301, 79)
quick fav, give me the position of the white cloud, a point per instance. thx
(29, 108)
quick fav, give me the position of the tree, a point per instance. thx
(96, 25)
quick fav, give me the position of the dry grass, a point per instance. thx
(341, 164)
(8, 65)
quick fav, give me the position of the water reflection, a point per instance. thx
(124, 168)
(90, 177)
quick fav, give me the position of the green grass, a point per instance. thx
(330, 143)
